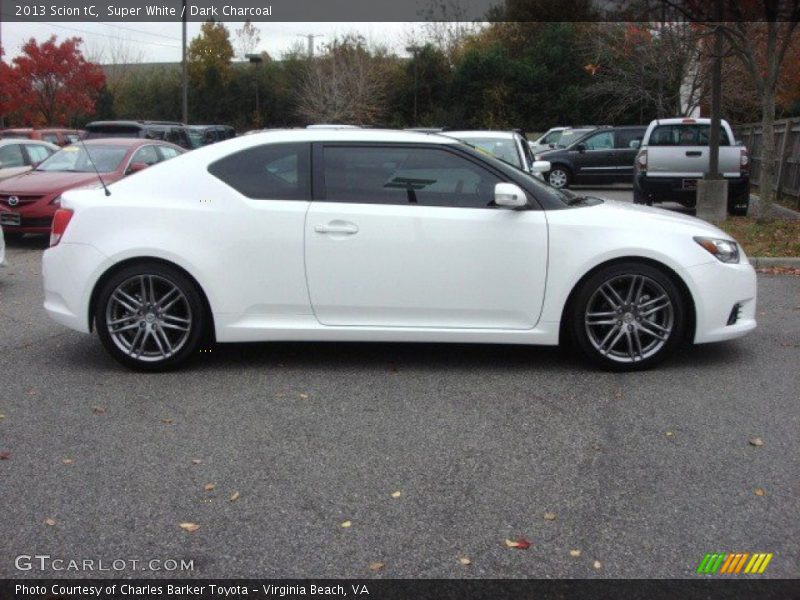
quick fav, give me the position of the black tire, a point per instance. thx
(617, 331)
(167, 312)
(561, 175)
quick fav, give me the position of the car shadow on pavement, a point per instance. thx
(32, 242)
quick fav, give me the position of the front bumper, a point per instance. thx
(717, 288)
(33, 218)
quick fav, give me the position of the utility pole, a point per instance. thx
(184, 76)
(310, 37)
(414, 51)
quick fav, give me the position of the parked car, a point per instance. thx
(402, 237)
(675, 155)
(168, 131)
(19, 155)
(203, 135)
(508, 146)
(602, 155)
(548, 140)
(53, 135)
(29, 201)
(3, 262)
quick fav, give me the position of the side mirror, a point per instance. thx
(739, 143)
(541, 166)
(581, 147)
(509, 195)
(136, 167)
(635, 144)
(552, 145)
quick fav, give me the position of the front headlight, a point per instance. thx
(726, 251)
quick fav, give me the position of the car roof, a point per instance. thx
(684, 121)
(126, 142)
(388, 136)
(481, 133)
(27, 142)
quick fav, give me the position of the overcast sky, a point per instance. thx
(161, 42)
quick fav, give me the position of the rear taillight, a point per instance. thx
(60, 222)
(744, 161)
(641, 160)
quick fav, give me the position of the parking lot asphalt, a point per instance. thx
(643, 473)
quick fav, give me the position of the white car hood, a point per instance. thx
(655, 217)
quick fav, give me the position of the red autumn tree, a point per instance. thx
(55, 81)
(8, 86)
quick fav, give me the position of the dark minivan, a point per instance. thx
(168, 131)
(603, 155)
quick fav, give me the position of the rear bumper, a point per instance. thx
(70, 272)
(671, 189)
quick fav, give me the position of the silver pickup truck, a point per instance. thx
(674, 155)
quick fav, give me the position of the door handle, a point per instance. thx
(345, 228)
(694, 153)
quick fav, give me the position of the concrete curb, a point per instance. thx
(786, 262)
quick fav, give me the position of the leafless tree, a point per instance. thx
(248, 37)
(346, 84)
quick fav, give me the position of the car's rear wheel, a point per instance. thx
(559, 177)
(150, 316)
(628, 316)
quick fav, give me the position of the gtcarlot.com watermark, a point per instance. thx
(47, 563)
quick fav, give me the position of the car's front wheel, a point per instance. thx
(150, 316)
(628, 316)
(559, 177)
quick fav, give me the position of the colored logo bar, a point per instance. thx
(733, 563)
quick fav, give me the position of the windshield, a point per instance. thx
(74, 159)
(503, 148)
(571, 135)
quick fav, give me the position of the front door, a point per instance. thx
(408, 236)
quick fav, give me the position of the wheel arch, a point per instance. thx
(689, 304)
(117, 267)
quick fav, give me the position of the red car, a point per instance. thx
(29, 201)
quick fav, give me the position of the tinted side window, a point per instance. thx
(270, 172)
(626, 136)
(395, 175)
(600, 141)
(11, 156)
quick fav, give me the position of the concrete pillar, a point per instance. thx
(712, 200)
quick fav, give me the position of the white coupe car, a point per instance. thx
(367, 235)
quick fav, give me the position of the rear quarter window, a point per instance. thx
(685, 134)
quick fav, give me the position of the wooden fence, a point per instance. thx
(787, 152)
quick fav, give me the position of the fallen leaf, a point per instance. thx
(465, 561)
(597, 565)
(303, 396)
(99, 410)
(376, 566)
(67, 461)
(549, 516)
(210, 487)
(670, 434)
(760, 492)
(2, 416)
(757, 442)
(167, 421)
(575, 553)
(396, 494)
(347, 524)
(197, 461)
(50, 522)
(520, 544)
(190, 527)
(5, 455)
(33, 391)
(618, 395)
(234, 497)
